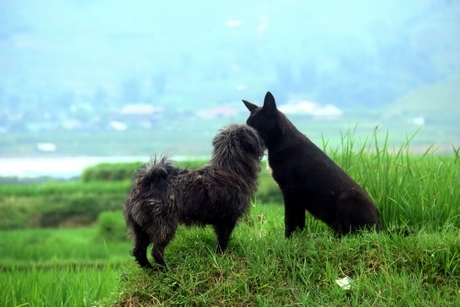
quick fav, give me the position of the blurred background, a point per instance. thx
(85, 81)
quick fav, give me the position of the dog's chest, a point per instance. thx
(270, 171)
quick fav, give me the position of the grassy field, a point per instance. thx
(91, 266)
(261, 268)
(76, 267)
(58, 267)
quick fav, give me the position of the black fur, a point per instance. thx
(308, 178)
(218, 194)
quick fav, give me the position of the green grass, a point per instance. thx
(76, 267)
(64, 188)
(61, 286)
(58, 267)
(59, 246)
(261, 268)
(419, 191)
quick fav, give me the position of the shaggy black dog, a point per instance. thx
(308, 178)
(218, 194)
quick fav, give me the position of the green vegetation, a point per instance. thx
(68, 285)
(261, 268)
(76, 267)
(59, 267)
(124, 171)
(59, 204)
(418, 191)
(101, 188)
(91, 266)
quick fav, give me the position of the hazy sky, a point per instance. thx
(50, 33)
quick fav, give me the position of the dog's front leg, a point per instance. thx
(300, 217)
(223, 231)
(294, 217)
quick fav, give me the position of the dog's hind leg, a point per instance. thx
(223, 230)
(158, 253)
(141, 242)
(161, 236)
(354, 214)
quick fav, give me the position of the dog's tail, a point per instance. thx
(148, 186)
(153, 175)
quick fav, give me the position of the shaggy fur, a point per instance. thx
(218, 194)
(308, 178)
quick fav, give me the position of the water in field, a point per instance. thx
(63, 167)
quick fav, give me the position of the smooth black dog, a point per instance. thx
(218, 194)
(308, 178)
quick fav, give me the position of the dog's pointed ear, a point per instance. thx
(270, 104)
(251, 107)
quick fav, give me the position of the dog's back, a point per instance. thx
(208, 196)
(308, 178)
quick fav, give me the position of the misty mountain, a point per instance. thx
(69, 56)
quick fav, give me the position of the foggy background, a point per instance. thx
(130, 78)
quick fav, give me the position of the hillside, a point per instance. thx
(431, 101)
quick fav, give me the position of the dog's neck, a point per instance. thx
(288, 137)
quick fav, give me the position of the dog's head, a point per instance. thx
(267, 120)
(238, 140)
